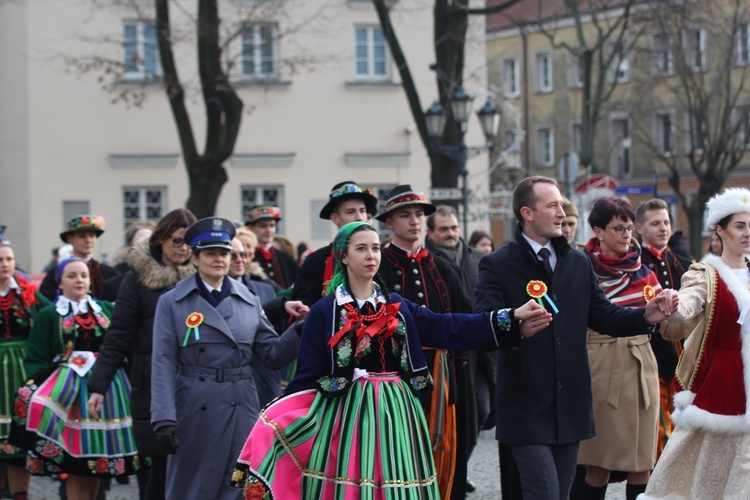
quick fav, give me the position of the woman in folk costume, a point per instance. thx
(61, 434)
(156, 265)
(207, 331)
(708, 454)
(350, 424)
(19, 304)
(624, 374)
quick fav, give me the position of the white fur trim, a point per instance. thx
(697, 418)
(691, 416)
(731, 201)
(683, 399)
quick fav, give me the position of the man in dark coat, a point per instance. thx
(82, 232)
(347, 202)
(655, 229)
(544, 402)
(416, 274)
(278, 266)
(477, 394)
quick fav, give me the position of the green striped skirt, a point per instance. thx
(12, 376)
(370, 443)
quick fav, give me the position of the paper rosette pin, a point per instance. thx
(193, 322)
(538, 289)
(648, 293)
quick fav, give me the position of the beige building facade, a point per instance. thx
(323, 104)
(646, 123)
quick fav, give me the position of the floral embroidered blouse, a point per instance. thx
(380, 337)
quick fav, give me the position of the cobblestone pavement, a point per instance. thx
(483, 470)
(45, 488)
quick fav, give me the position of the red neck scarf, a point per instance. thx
(265, 253)
(383, 322)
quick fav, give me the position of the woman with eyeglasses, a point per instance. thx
(624, 374)
(157, 264)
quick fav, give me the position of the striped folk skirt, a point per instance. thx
(62, 436)
(12, 376)
(370, 443)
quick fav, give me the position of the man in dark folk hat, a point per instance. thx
(279, 266)
(412, 271)
(347, 202)
(203, 400)
(82, 232)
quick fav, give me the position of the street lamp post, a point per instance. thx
(436, 118)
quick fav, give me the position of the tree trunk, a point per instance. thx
(695, 223)
(223, 107)
(205, 187)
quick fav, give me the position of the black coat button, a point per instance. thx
(203, 407)
(202, 379)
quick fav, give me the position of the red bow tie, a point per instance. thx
(419, 256)
(265, 253)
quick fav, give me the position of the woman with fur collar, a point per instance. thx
(708, 454)
(157, 264)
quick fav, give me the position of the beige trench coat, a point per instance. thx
(625, 387)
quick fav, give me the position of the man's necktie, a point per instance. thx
(216, 294)
(544, 253)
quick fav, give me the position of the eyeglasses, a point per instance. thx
(239, 255)
(622, 229)
(178, 242)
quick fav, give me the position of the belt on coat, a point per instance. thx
(216, 374)
(624, 345)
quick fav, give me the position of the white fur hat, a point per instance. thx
(731, 201)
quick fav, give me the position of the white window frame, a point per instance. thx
(543, 60)
(370, 59)
(143, 205)
(661, 53)
(511, 82)
(691, 44)
(659, 132)
(620, 71)
(254, 31)
(140, 42)
(621, 156)
(742, 44)
(544, 138)
(575, 72)
(575, 130)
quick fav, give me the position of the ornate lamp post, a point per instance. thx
(436, 117)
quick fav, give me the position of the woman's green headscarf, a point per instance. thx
(339, 244)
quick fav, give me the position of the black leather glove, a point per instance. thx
(167, 438)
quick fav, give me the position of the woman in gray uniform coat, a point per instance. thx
(207, 329)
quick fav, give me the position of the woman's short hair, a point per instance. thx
(606, 209)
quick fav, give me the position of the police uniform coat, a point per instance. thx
(206, 388)
(544, 386)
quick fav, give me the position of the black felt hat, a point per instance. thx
(349, 190)
(402, 196)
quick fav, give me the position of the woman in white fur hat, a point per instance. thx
(708, 454)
